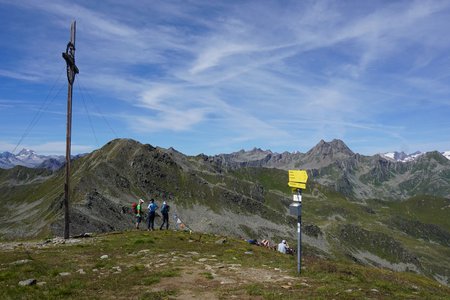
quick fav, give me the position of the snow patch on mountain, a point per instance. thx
(403, 157)
(28, 158)
(446, 154)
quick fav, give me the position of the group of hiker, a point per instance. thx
(282, 247)
(152, 208)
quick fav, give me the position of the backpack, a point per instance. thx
(134, 208)
(165, 209)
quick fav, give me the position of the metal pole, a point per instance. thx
(67, 182)
(299, 232)
(72, 70)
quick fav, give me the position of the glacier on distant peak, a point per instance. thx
(403, 157)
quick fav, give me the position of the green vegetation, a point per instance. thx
(167, 264)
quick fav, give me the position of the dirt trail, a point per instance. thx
(210, 279)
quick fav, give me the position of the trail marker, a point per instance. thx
(297, 182)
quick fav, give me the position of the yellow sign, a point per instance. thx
(298, 176)
(297, 185)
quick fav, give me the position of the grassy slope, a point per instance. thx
(167, 264)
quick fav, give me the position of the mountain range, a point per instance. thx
(29, 158)
(367, 209)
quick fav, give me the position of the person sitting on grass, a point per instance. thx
(282, 247)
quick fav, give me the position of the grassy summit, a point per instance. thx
(179, 265)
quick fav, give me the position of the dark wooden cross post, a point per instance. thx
(72, 70)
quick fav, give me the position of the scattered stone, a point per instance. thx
(287, 287)
(117, 269)
(28, 282)
(349, 290)
(83, 235)
(248, 252)
(160, 265)
(21, 262)
(193, 253)
(374, 290)
(213, 255)
(202, 259)
(64, 274)
(144, 251)
(289, 277)
(81, 271)
(305, 284)
(227, 281)
(221, 241)
(104, 257)
(58, 240)
(94, 270)
(41, 283)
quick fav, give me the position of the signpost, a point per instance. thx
(297, 182)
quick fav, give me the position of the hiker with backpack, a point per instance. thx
(137, 210)
(152, 207)
(165, 214)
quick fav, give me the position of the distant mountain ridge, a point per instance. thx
(403, 157)
(323, 153)
(333, 164)
(30, 159)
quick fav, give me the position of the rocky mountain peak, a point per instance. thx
(26, 153)
(333, 148)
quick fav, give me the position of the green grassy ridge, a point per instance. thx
(133, 251)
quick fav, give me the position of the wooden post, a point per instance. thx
(72, 70)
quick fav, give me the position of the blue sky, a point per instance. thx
(219, 76)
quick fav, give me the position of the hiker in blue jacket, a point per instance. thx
(165, 213)
(152, 207)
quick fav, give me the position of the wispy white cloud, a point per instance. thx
(343, 68)
(48, 148)
(18, 75)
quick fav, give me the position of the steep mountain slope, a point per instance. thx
(249, 202)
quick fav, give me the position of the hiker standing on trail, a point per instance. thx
(152, 207)
(165, 213)
(282, 247)
(139, 213)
